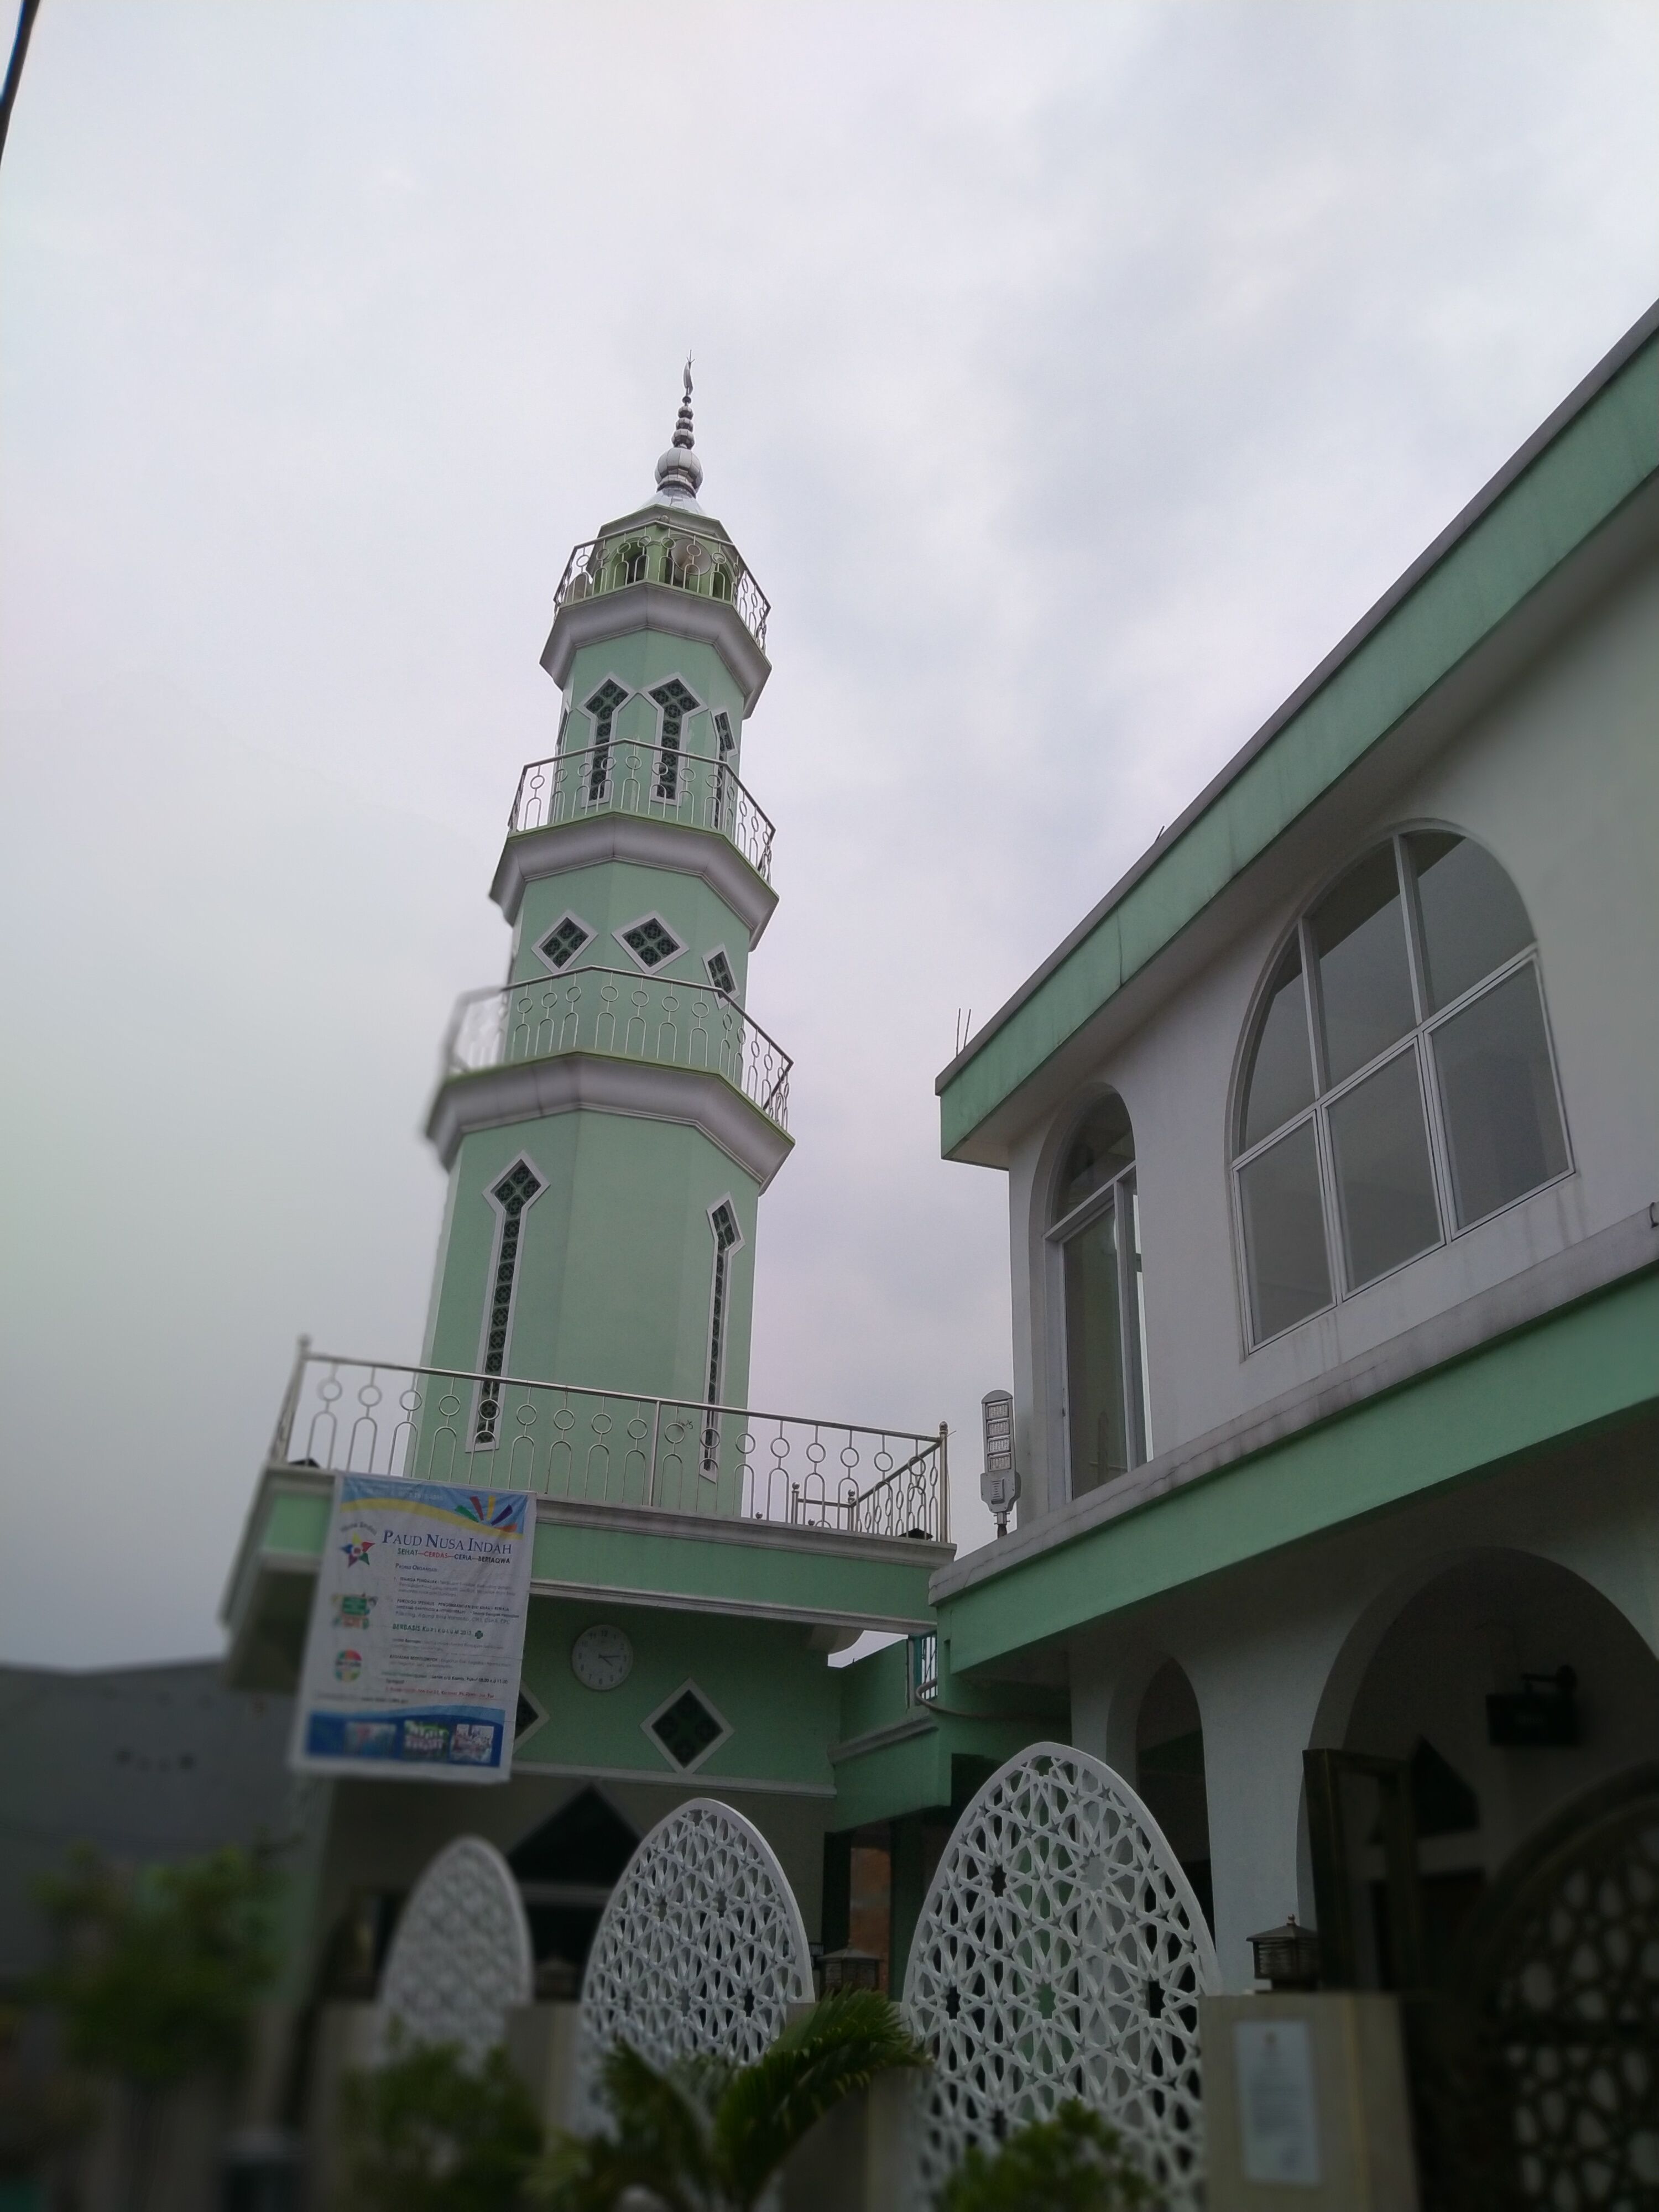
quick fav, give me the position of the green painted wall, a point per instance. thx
(610, 897)
(779, 1697)
(1586, 1365)
(1597, 462)
(616, 1256)
(640, 663)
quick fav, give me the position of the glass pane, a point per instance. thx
(1094, 1339)
(1285, 1233)
(1281, 1074)
(1139, 1427)
(1498, 1094)
(1102, 1148)
(1384, 1185)
(1472, 917)
(1360, 939)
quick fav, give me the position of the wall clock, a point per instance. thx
(602, 1658)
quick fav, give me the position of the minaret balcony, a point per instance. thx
(657, 783)
(658, 552)
(608, 1448)
(614, 1040)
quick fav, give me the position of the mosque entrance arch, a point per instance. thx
(1485, 1840)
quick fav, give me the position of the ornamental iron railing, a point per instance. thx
(610, 1448)
(624, 1016)
(660, 781)
(659, 553)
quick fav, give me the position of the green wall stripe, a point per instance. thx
(1589, 470)
(1591, 1364)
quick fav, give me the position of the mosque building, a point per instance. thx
(1333, 1172)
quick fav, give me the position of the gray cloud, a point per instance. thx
(1073, 376)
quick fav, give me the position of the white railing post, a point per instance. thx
(943, 1484)
(283, 1435)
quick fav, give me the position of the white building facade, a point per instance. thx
(1331, 1141)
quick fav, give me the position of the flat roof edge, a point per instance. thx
(1611, 363)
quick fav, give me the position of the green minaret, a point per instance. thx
(609, 1117)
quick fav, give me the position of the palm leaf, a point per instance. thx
(766, 2108)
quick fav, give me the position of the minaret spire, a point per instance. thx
(679, 472)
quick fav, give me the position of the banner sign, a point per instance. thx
(417, 1635)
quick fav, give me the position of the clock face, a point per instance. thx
(602, 1658)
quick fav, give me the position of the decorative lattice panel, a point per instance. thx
(701, 1948)
(1571, 2011)
(1061, 1953)
(462, 1953)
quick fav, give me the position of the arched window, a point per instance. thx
(1094, 1228)
(1400, 1085)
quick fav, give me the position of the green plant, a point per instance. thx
(158, 1973)
(1072, 2162)
(424, 2133)
(703, 2135)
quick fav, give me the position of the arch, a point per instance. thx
(702, 1948)
(1170, 1774)
(1395, 1084)
(1061, 1953)
(1091, 1225)
(1411, 1683)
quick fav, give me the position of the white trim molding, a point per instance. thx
(530, 855)
(532, 1091)
(636, 607)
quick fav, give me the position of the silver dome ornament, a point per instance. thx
(679, 472)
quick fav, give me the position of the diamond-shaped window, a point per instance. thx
(720, 972)
(650, 942)
(564, 942)
(687, 1727)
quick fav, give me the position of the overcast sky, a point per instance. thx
(1072, 376)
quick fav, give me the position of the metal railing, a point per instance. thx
(625, 1015)
(624, 777)
(607, 1448)
(657, 553)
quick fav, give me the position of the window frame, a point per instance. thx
(640, 921)
(539, 948)
(1133, 1346)
(1417, 1040)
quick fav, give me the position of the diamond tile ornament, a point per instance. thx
(1061, 1953)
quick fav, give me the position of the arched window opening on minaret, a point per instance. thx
(723, 733)
(602, 711)
(723, 1221)
(676, 702)
(511, 1197)
(1095, 1236)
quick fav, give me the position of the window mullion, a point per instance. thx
(1416, 957)
(1334, 1260)
(1312, 1006)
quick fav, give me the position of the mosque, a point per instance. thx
(1329, 1142)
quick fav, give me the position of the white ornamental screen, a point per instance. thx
(461, 1956)
(701, 1948)
(1061, 1953)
